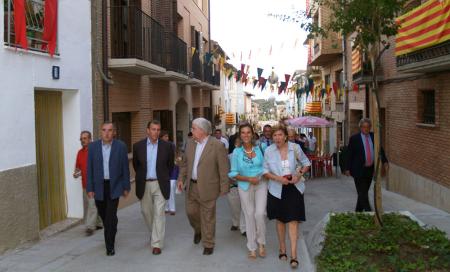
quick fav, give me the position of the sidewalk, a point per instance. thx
(72, 251)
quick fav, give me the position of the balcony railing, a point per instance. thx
(34, 14)
(425, 54)
(196, 66)
(134, 34)
(175, 53)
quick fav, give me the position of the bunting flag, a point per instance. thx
(282, 87)
(322, 93)
(260, 71)
(238, 76)
(208, 57)
(243, 68)
(241, 55)
(335, 88)
(255, 81)
(250, 55)
(328, 89)
(311, 84)
(356, 60)
(307, 91)
(287, 77)
(193, 49)
(355, 87)
(425, 26)
(244, 78)
(20, 24)
(270, 51)
(247, 69)
(264, 82)
(230, 75)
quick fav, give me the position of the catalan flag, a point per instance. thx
(356, 60)
(424, 26)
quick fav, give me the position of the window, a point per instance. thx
(34, 16)
(122, 120)
(426, 107)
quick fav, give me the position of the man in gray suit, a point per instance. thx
(204, 174)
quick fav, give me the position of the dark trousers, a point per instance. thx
(107, 209)
(362, 185)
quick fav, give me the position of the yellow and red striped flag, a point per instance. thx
(424, 26)
(356, 60)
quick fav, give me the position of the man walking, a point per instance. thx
(92, 220)
(267, 135)
(360, 163)
(219, 137)
(312, 143)
(153, 160)
(108, 179)
(204, 174)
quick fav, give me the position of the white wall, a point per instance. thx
(22, 72)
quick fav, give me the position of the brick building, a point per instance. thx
(415, 112)
(159, 66)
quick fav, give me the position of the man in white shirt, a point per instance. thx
(204, 174)
(312, 142)
(218, 135)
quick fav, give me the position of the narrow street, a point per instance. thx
(72, 251)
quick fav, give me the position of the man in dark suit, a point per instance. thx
(108, 178)
(360, 163)
(153, 161)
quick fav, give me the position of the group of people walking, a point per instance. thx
(264, 176)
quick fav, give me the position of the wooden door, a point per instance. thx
(50, 158)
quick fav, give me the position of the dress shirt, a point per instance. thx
(198, 153)
(81, 164)
(106, 150)
(265, 140)
(363, 138)
(224, 141)
(152, 153)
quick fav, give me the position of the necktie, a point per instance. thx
(368, 153)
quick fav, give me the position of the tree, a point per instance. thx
(370, 23)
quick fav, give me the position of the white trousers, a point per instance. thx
(254, 202)
(170, 206)
(237, 216)
(91, 217)
(152, 208)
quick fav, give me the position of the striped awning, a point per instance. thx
(356, 60)
(424, 26)
(313, 107)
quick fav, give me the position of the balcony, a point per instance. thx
(427, 60)
(196, 66)
(326, 50)
(211, 78)
(137, 44)
(175, 59)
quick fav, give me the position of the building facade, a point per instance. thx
(160, 66)
(414, 91)
(48, 101)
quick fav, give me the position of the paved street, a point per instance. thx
(72, 251)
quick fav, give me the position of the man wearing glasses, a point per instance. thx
(92, 220)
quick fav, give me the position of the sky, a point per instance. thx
(244, 26)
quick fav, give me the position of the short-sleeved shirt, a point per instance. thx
(81, 164)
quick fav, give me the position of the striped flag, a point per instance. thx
(356, 60)
(424, 26)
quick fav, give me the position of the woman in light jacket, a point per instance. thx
(284, 165)
(247, 168)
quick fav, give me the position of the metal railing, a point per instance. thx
(134, 34)
(196, 66)
(175, 57)
(34, 15)
(208, 73)
(429, 53)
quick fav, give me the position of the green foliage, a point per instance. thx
(354, 243)
(371, 21)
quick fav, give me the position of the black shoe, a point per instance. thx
(110, 252)
(208, 251)
(234, 228)
(197, 238)
(244, 234)
(89, 232)
(98, 228)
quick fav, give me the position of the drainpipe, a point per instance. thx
(105, 59)
(346, 102)
(209, 47)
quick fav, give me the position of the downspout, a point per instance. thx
(209, 48)
(105, 60)
(346, 104)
